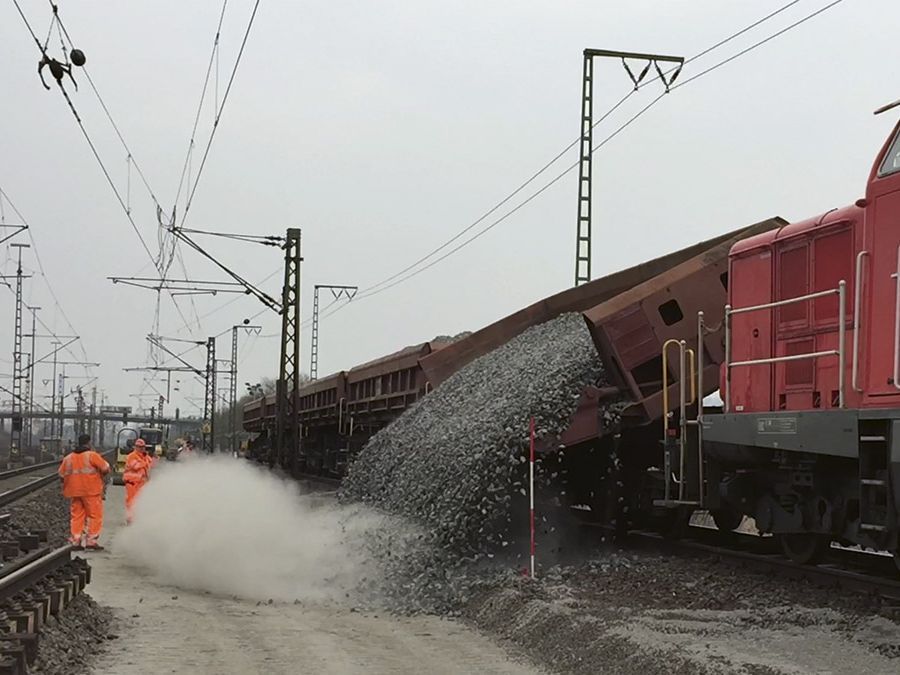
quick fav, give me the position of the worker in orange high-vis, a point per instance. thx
(137, 473)
(83, 472)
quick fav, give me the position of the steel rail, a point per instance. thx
(28, 469)
(18, 492)
(35, 570)
(21, 491)
(824, 574)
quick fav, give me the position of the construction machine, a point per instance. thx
(125, 439)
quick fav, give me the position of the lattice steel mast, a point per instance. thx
(234, 373)
(15, 437)
(287, 438)
(585, 165)
(337, 291)
(208, 432)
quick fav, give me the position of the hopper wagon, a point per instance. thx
(796, 325)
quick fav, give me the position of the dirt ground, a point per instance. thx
(174, 630)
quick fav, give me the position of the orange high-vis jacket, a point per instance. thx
(137, 467)
(82, 474)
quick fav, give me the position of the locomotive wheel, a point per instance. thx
(676, 523)
(726, 519)
(807, 548)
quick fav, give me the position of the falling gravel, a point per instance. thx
(455, 464)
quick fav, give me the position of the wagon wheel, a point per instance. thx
(805, 548)
(726, 518)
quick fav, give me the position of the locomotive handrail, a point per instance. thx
(857, 302)
(896, 276)
(841, 292)
(683, 352)
(779, 303)
(665, 374)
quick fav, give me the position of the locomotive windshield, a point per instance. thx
(891, 163)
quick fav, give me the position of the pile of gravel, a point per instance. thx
(70, 644)
(455, 464)
(452, 338)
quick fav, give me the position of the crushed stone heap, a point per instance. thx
(455, 461)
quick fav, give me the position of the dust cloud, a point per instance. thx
(225, 526)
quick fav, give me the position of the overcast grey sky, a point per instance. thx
(382, 129)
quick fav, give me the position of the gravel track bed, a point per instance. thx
(454, 465)
(645, 613)
(70, 644)
(45, 509)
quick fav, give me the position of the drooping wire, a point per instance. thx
(130, 156)
(90, 142)
(213, 54)
(219, 111)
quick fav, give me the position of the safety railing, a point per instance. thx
(857, 304)
(841, 292)
(685, 354)
(896, 276)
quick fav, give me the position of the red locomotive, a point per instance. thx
(808, 442)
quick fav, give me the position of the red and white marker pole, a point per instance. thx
(531, 493)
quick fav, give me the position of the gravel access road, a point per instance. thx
(174, 630)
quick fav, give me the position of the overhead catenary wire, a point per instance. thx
(185, 169)
(375, 289)
(219, 111)
(43, 274)
(571, 145)
(131, 161)
(97, 156)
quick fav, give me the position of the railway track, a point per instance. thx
(37, 580)
(34, 588)
(855, 571)
(22, 481)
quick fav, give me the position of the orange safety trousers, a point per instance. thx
(88, 509)
(131, 492)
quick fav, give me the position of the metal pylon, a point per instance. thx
(207, 433)
(79, 409)
(585, 165)
(287, 436)
(29, 440)
(15, 438)
(314, 341)
(583, 240)
(234, 376)
(337, 291)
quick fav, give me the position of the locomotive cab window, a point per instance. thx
(891, 163)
